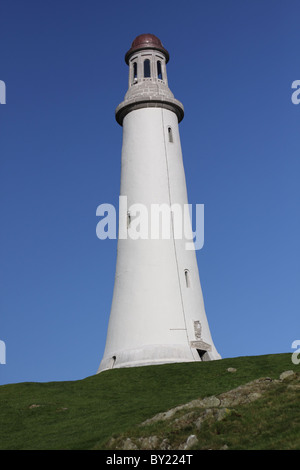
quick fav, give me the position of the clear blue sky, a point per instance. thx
(232, 65)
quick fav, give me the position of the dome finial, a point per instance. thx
(146, 41)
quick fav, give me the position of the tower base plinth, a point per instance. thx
(155, 355)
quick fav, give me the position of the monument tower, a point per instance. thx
(157, 314)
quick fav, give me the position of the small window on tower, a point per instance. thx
(147, 68)
(159, 71)
(187, 278)
(128, 219)
(134, 73)
(170, 134)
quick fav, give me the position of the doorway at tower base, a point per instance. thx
(155, 355)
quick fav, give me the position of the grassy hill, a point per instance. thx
(85, 414)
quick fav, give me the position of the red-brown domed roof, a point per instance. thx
(146, 41)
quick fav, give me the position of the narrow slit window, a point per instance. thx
(170, 134)
(147, 73)
(159, 70)
(134, 72)
(128, 219)
(187, 278)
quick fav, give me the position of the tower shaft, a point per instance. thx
(157, 314)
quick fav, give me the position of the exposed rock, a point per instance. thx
(185, 420)
(111, 442)
(165, 445)
(190, 442)
(222, 413)
(224, 447)
(203, 417)
(294, 387)
(210, 402)
(240, 395)
(286, 374)
(150, 442)
(245, 393)
(129, 445)
(231, 369)
(213, 414)
(207, 402)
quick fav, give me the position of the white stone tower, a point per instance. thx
(157, 314)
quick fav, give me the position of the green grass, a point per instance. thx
(84, 414)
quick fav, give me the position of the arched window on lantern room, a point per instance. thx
(147, 72)
(134, 73)
(159, 70)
